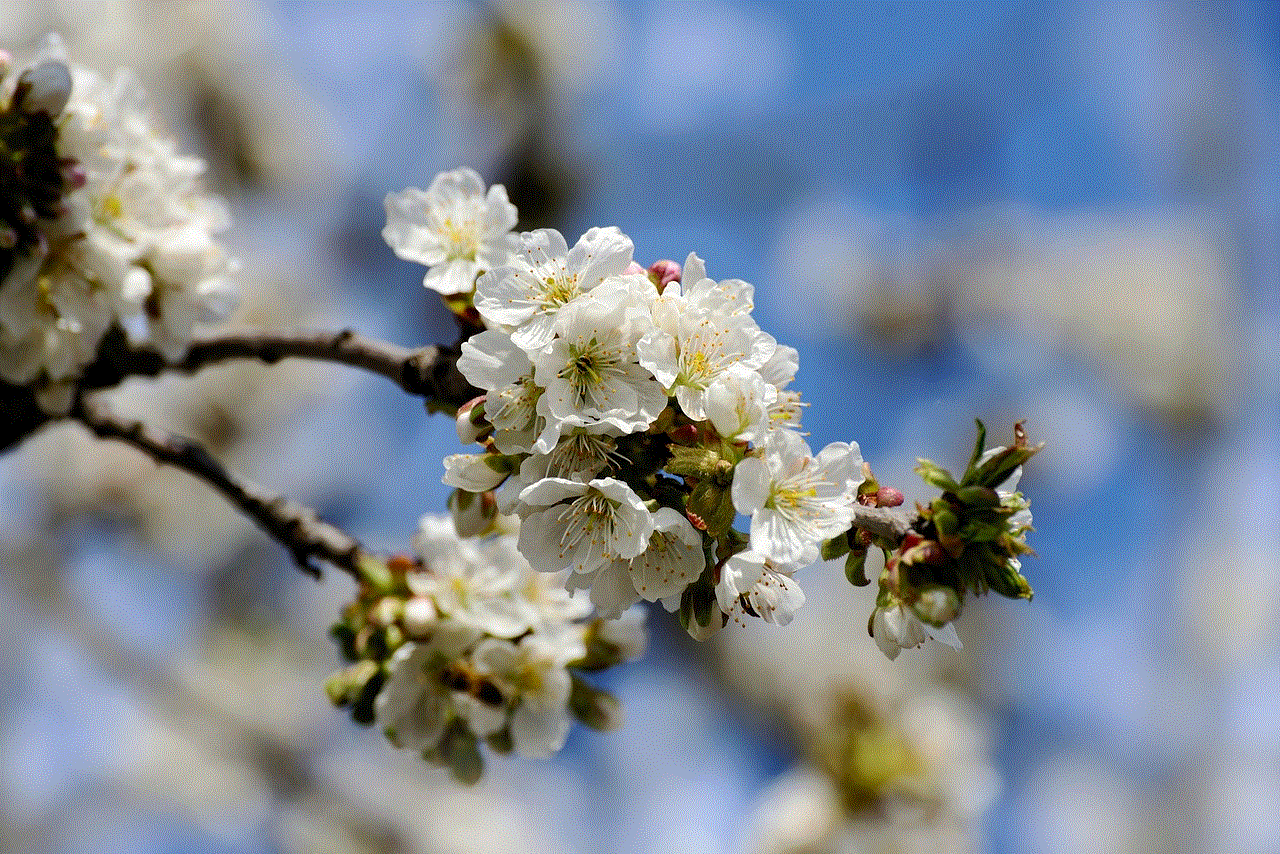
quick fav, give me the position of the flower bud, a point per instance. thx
(887, 496)
(713, 505)
(44, 89)
(470, 423)
(385, 611)
(345, 686)
(473, 513)
(937, 605)
(663, 273)
(419, 617)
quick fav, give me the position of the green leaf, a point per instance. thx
(978, 447)
(936, 476)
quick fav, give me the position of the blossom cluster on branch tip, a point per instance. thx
(467, 643)
(630, 416)
(102, 224)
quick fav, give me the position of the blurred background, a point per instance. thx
(1058, 212)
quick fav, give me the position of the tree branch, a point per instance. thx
(429, 372)
(892, 522)
(293, 525)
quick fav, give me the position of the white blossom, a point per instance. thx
(671, 562)
(491, 361)
(751, 584)
(525, 296)
(896, 627)
(689, 350)
(454, 227)
(134, 238)
(738, 405)
(473, 472)
(589, 371)
(584, 525)
(414, 705)
(796, 500)
(463, 584)
(532, 674)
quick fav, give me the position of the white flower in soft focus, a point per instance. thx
(464, 585)
(491, 361)
(472, 472)
(532, 674)
(738, 403)
(596, 523)
(525, 296)
(135, 237)
(590, 372)
(796, 500)
(414, 705)
(50, 324)
(545, 605)
(190, 284)
(750, 581)
(453, 227)
(896, 628)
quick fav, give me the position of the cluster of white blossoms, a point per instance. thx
(126, 239)
(629, 415)
(469, 643)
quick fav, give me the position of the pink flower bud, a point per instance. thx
(632, 269)
(73, 173)
(887, 496)
(663, 273)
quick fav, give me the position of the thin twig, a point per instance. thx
(293, 525)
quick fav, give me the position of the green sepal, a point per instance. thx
(345, 637)
(503, 463)
(713, 504)
(979, 447)
(362, 709)
(836, 547)
(500, 742)
(595, 708)
(1007, 581)
(697, 604)
(978, 496)
(855, 568)
(692, 461)
(460, 751)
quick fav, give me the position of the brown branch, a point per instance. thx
(293, 525)
(429, 372)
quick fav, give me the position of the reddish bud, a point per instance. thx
(663, 273)
(684, 434)
(887, 496)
